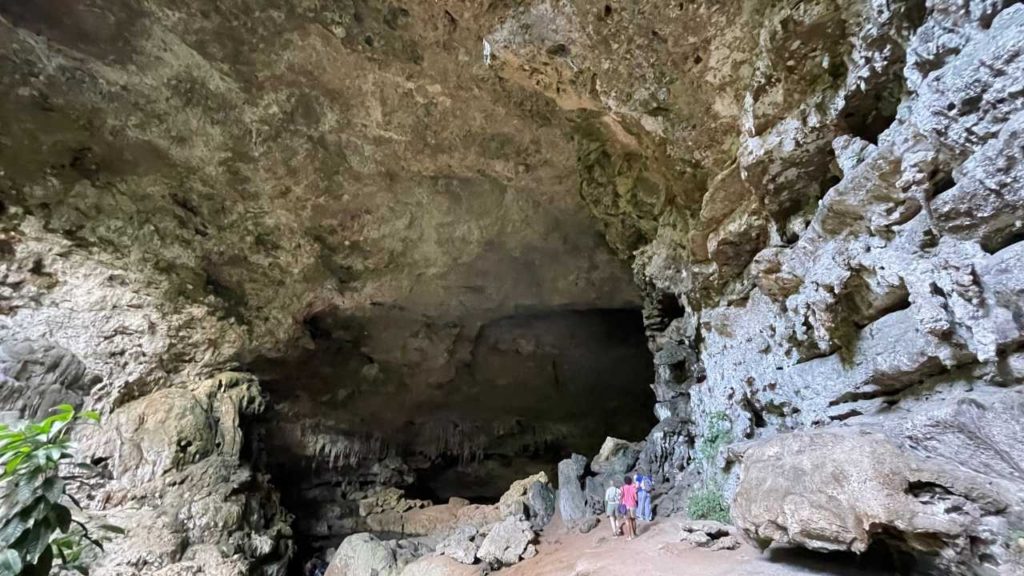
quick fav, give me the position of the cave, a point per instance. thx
(410, 286)
(445, 410)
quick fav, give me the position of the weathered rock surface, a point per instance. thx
(843, 252)
(531, 497)
(363, 555)
(840, 489)
(507, 543)
(459, 545)
(440, 566)
(821, 203)
(176, 483)
(571, 499)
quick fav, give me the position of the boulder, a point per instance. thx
(506, 543)
(616, 457)
(440, 566)
(363, 555)
(479, 516)
(459, 545)
(840, 489)
(532, 497)
(571, 500)
(416, 521)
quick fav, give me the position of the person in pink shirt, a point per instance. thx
(629, 500)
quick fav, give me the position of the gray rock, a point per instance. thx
(540, 504)
(459, 545)
(616, 457)
(697, 538)
(571, 500)
(440, 566)
(363, 555)
(709, 527)
(506, 542)
(820, 489)
(36, 375)
(724, 543)
(588, 524)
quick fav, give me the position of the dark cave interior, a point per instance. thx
(440, 409)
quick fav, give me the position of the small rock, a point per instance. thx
(725, 543)
(697, 538)
(531, 551)
(588, 524)
(709, 527)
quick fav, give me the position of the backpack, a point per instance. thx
(646, 484)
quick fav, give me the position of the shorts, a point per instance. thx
(631, 512)
(612, 509)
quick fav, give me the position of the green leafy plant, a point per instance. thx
(37, 528)
(708, 503)
(718, 435)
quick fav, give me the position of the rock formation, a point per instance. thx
(413, 266)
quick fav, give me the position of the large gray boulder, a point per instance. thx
(571, 500)
(615, 457)
(363, 555)
(532, 497)
(842, 489)
(506, 543)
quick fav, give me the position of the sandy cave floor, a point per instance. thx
(658, 552)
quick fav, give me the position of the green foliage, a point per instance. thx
(718, 435)
(37, 528)
(708, 503)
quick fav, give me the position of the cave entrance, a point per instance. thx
(443, 409)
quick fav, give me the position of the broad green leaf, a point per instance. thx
(45, 561)
(91, 415)
(10, 563)
(61, 516)
(53, 488)
(14, 462)
(12, 530)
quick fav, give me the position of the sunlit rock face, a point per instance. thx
(820, 203)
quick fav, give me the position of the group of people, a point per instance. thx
(627, 503)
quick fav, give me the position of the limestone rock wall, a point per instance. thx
(822, 203)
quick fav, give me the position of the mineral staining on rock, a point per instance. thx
(820, 202)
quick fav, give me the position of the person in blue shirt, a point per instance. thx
(646, 490)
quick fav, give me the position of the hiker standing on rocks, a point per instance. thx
(629, 501)
(612, 501)
(645, 488)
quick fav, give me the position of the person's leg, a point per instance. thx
(645, 507)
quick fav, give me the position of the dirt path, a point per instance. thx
(657, 552)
